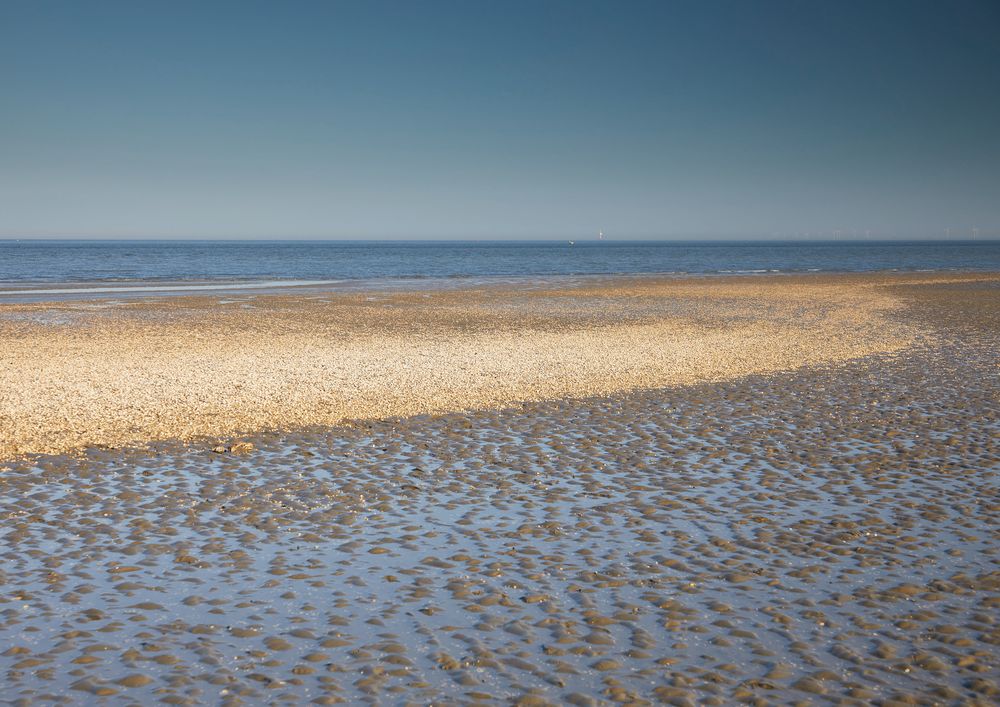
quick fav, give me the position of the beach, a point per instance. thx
(616, 490)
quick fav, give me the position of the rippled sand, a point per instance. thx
(113, 373)
(827, 535)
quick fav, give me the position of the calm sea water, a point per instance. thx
(25, 263)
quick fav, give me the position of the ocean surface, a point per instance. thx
(164, 265)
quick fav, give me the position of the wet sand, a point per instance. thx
(826, 535)
(122, 372)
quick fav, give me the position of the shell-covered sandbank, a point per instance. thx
(106, 372)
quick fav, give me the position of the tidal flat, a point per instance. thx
(826, 535)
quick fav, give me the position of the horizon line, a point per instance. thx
(513, 239)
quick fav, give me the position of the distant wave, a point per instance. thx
(28, 291)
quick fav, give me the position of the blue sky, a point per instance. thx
(474, 119)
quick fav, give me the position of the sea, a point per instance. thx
(69, 267)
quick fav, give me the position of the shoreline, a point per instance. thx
(78, 374)
(69, 291)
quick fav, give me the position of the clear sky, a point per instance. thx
(500, 119)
